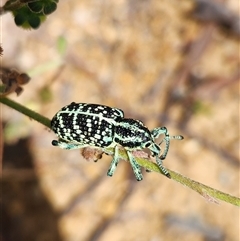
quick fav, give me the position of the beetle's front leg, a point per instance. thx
(156, 132)
(162, 168)
(136, 168)
(163, 130)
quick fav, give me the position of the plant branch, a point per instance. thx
(24, 110)
(207, 192)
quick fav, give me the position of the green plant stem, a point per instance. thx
(207, 192)
(24, 110)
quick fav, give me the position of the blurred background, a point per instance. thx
(167, 63)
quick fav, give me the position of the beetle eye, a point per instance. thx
(148, 144)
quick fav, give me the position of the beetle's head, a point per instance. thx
(153, 147)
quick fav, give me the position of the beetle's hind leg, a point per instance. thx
(68, 145)
(136, 168)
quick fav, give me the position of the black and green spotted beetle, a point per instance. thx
(80, 125)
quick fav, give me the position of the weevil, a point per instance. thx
(80, 125)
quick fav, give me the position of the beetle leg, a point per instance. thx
(136, 168)
(167, 140)
(163, 130)
(162, 168)
(68, 145)
(156, 133)
(114, 162)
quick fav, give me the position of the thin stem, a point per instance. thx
(207, 192)
(24, 110)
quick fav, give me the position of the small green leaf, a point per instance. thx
(19, 19)
(34, 21)
(35, 7)
(27, 19)
(49, 8)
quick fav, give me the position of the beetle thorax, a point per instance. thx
(132, 134)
